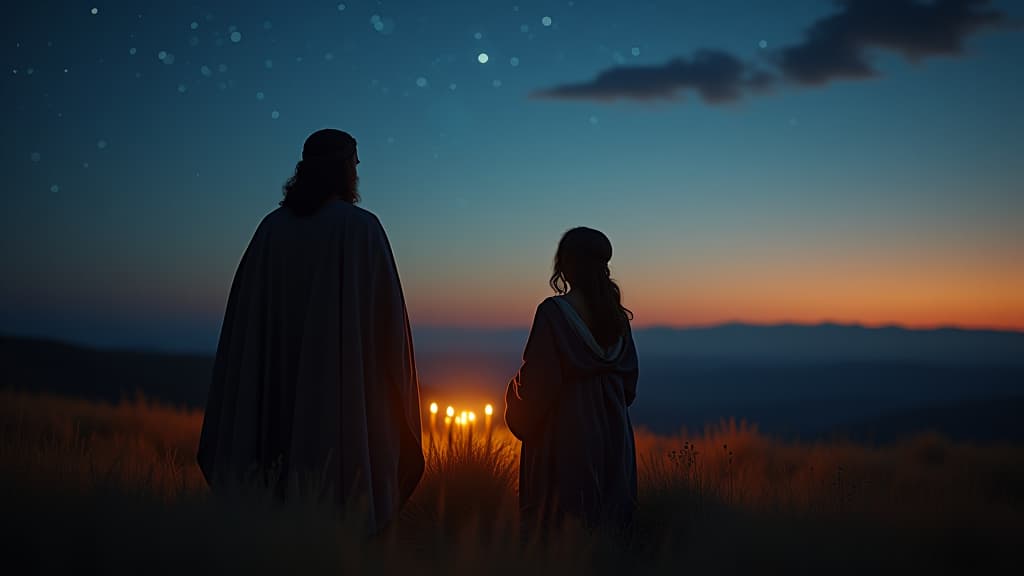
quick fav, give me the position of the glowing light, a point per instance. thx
(447, 421)
(546, 20)
(450, 411)
(488, 410)
(433, 407)
(483, 58)
(472, 416)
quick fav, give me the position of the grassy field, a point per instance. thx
(115, 489)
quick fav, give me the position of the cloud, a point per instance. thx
(716, 76)
(836, 46)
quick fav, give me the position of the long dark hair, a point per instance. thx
(582, 262)
(328, 167)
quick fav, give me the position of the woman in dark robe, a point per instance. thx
(569, 401)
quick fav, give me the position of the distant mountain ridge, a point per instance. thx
(837, 342)
(794, 381)
(826, 342)
(41, 365)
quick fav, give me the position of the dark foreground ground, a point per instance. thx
(114, 489)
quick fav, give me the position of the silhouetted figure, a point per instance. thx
(568, 402)
(315, 385)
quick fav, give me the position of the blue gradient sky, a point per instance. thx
(135, 182)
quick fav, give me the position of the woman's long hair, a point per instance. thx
(328, 167)
(582, 262)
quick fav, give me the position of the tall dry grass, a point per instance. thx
(115, 488)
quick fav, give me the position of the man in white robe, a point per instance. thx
(314, 384)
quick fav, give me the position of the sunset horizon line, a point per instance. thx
(915, 327)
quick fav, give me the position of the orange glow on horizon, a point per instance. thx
(681, 317)
(870, 291)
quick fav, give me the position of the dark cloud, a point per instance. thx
(835, 46)
(715, 76)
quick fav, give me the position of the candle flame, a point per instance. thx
(433, 407)
(450, 412)
(472, 416)
(488, 410)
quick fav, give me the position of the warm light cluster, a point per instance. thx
(463, 417)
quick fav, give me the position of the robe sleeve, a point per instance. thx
(630, 379)
(534, 389)
(218, 422)
(398, 360)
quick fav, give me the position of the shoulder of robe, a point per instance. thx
(272, 217)
(547, 307)
(365, 215)
(268, 221)
(368, 220)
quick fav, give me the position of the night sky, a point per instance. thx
(763, 162)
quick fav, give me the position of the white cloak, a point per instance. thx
(315, 377)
